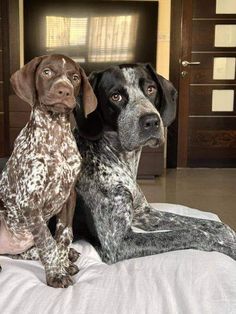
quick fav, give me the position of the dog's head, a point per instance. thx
(54, 82)
(134, 101)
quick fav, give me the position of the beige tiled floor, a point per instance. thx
(205, 189)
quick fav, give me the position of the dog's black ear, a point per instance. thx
(90, 127)
(166, 104)
(89, 98)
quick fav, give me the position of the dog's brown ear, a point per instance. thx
(23, 81)
(88, 96)
(166, 104)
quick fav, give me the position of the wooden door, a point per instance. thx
(207, 84)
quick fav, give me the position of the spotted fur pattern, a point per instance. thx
(113, 201)
(45, 164)
(39, 179)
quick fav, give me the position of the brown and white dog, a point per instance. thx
(38, 180)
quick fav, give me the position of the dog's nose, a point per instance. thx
(64, 91)
(150, 122)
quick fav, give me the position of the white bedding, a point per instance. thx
(177, 282)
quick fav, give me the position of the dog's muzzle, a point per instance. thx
(149, 125)
(64, 94)
(150, 130)
(60, 98)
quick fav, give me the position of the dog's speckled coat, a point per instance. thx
(112, 200)
(39, 178)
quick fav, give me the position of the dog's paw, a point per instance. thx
(73, 255)
(72, 269)
(59, 281)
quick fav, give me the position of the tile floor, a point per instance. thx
(205, 189)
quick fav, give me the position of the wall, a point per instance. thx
(163, 39)
(163, 47)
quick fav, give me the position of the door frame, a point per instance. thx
(177, 136)
(175, 55)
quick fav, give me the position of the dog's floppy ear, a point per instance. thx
(23, 81)
(88, 96)
(167, 103)
(90, 127)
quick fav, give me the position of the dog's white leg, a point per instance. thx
(64, 233)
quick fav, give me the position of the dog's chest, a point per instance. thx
(57, 149)
(63, 166)
(57, 152)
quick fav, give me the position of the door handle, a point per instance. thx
(186, 63)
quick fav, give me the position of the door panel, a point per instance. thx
(18, 119)
(1, 66)
(212, 100)
(1, 97)
(220, 64)
(207, 90)
(206, 32)
(2, 142)
(212, 141)
(209, 8)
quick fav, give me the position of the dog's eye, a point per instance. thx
(47, 72)
(151, 89)
(116, 97)
(76, 77)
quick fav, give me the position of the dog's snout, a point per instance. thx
(63, 90)
(61, 95)
(150, 122)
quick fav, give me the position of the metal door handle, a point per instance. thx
(186, 63)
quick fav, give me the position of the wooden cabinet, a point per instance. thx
(15, 113)
(151, 162)
(4, 78)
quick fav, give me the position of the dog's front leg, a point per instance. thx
(114, 221)
(30, 198)
(148, 218)
(49, 253)
(151, 219)
(64, 233)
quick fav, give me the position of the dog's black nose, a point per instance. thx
(150, 122)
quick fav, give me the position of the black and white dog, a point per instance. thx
(134, 106)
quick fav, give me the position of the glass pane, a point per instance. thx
(224, 69)
(113, 38)
(222, 100)
(65, 31)
(225, 35)
(225, 6)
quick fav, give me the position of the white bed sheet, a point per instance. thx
(179, 282)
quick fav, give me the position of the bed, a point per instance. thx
(179, 282)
